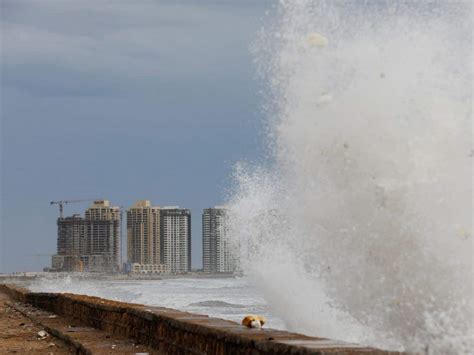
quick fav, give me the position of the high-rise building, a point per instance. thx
(91, 243)
(175, 230)
(71, 235)
(71, 244)
(103, 234)
(218, 254)
(143, 238)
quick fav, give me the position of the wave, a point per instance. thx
(359, 227)
(215, 303)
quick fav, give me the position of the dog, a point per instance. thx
(252, 321)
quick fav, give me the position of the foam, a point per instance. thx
(361, 230)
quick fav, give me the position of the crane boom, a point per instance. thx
(65, 202)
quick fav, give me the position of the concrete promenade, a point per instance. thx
(91, 325)
(19, 335)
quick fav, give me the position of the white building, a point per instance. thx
(219, 254)
(175, 230)
(148, 268)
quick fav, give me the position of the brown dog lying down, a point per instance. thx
(253, 321)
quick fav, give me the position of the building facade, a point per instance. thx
(218, 253)
(175, 230)
(91, 243)
(103, 233)
(143, 238)
(148, 268)
(71, 244)
(71, 235)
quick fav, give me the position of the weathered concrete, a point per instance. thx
(19, 335)
(173, 332)
(83, 340)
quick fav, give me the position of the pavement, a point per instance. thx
(25, 329)
(19, 335)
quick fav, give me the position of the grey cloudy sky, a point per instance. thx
(122, 100)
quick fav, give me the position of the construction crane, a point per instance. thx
(65, 202)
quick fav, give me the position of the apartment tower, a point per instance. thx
(217, 255)
(71, 235)
(175, 230)
(71, 244)
(102, 223)
(91, 243)
(143, 233)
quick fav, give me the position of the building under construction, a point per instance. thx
(91, 243)
(71, 235)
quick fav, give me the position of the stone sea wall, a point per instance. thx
(175, 332)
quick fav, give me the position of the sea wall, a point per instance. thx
(175, 332)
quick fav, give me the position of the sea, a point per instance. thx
(228, 298)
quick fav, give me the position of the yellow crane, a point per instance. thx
(65, 202)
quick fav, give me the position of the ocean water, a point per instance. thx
(226, 298)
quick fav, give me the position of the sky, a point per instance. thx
(121, 100)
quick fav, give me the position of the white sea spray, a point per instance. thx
(361, 230)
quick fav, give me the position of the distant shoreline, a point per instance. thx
(104, 276)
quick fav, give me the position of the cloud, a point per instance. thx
(68, 48)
